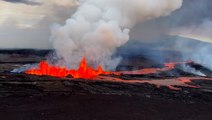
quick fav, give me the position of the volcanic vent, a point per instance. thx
(83, 71)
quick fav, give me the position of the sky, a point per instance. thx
(27, 23)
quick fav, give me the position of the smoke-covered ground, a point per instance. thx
(24, 97)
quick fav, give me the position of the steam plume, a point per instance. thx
(98, 27)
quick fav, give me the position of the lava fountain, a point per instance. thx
(84, 71)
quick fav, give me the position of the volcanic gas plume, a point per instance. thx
(98, 27)
(95, 31)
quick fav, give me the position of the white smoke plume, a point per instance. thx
(98, 27)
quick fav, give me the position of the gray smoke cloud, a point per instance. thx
(192, 14)
(97, 28)
(195, 24)
(191, 26)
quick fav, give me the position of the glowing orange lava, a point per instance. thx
(167, 67)
(87, 72)
(83, 71)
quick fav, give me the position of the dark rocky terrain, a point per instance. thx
(28, 97)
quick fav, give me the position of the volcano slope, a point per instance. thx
(24, 97)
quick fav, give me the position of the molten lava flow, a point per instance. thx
(83, 71)
(167, 67)
(171, 83)
(87, 72)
